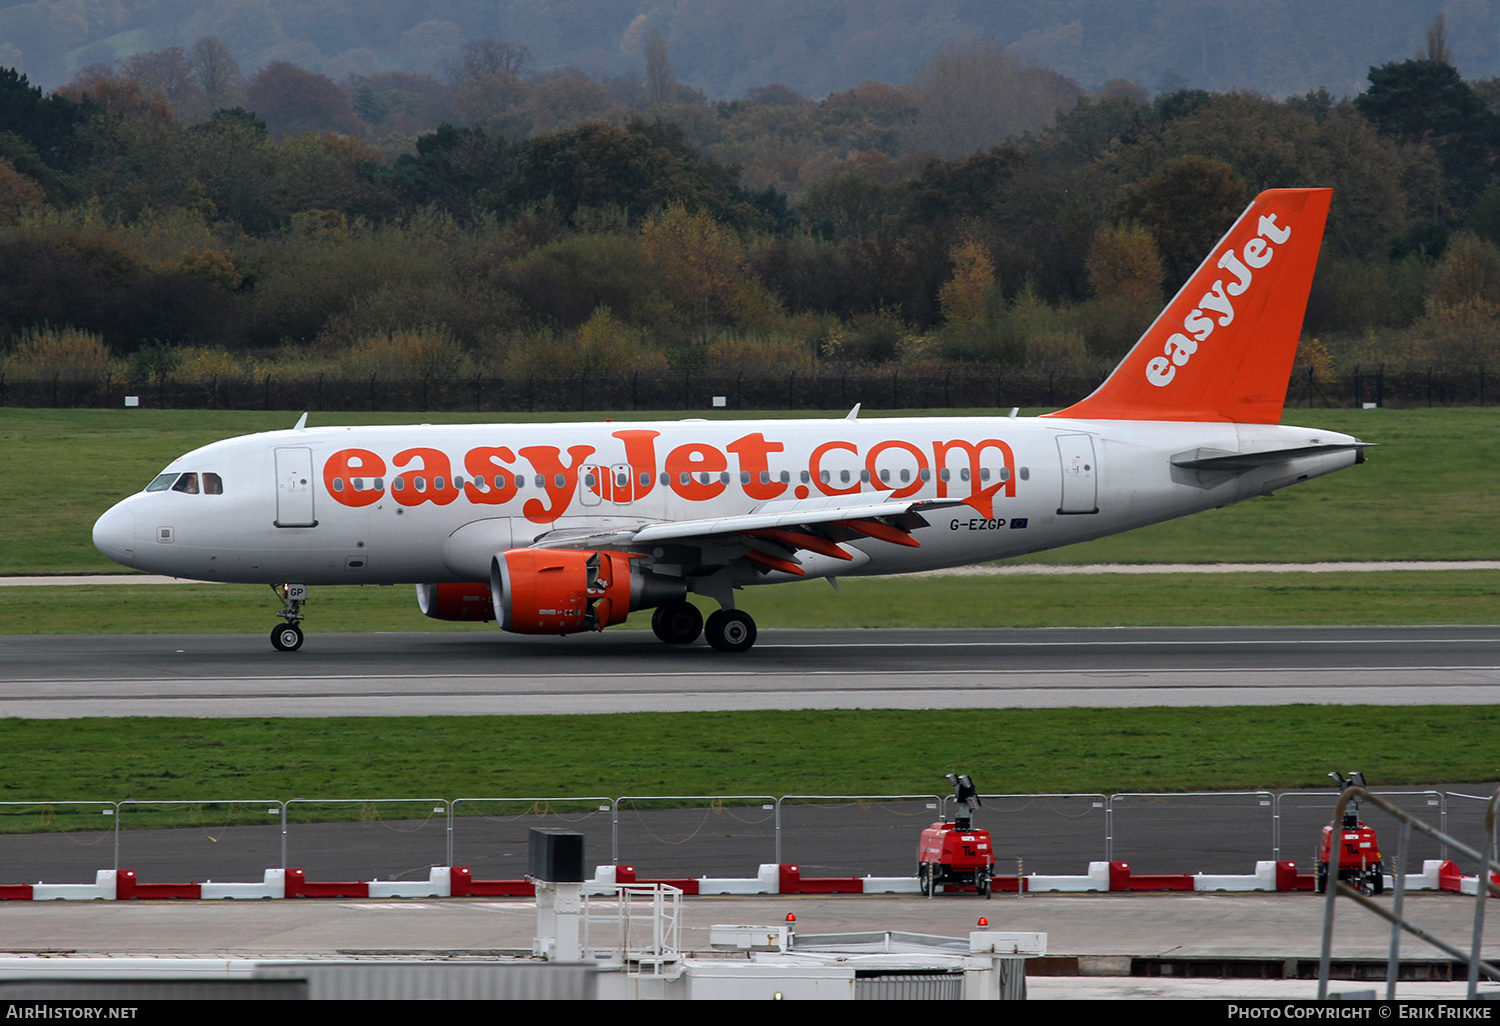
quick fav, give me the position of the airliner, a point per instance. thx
(564, 528)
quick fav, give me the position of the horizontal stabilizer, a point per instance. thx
(1218, 459)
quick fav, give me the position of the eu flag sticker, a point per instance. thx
(1016, 522)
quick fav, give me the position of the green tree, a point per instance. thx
(1186, 206)
(1426, 102)
(636, 170)
(702, 264)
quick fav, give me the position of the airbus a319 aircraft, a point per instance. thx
(562, 528)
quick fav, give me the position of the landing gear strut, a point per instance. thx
(287, 637)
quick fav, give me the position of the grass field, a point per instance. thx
(774, 753)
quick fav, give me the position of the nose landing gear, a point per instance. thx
(287, 637)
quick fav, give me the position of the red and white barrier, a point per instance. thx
(458, 881)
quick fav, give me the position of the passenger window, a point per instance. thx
(187, 483)
(213, 484)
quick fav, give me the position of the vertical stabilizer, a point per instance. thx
(1224, 346)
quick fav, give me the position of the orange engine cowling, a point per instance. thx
(456, 601)
(562, 591)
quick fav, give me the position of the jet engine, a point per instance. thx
(562, 591)
(456, 601)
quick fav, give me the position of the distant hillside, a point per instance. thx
(727, 47)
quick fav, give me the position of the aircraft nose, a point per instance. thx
(114, 535)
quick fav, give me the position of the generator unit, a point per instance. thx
(1359, 851)
(956, 855)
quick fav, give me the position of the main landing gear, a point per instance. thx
(287, 637)
(680, 623)
(730, 630)
(677, 623)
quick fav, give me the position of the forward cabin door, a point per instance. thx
(294, 491)
(1080, 480)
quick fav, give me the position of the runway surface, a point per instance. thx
(491, 672)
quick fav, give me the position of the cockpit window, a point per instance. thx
(187, 483)
(162, 483)
(213, 484)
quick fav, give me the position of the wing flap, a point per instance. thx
(679, 531)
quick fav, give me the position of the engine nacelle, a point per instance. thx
(470, 602)
(563, 591)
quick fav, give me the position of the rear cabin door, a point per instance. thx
(294, 491)
(1080, 480)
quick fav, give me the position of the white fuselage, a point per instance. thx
(420, 504)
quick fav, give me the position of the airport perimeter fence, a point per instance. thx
(692, 391)
(683, 836)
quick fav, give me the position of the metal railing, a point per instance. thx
(1485, 886)
(490, 833)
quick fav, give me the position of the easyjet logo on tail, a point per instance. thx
(1223, 348)
(1218, 301)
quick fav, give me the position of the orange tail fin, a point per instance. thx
(1223, 348)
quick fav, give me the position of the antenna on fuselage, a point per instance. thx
(301, 424)
(854, 413)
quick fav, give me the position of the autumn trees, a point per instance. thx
(561, 220)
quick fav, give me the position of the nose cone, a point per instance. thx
(114, 535)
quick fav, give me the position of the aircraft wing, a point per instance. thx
(775, 527)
